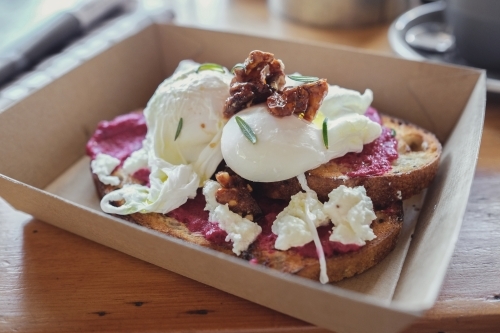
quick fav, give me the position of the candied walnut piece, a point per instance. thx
(235, 192)
(253, 83)
(305, 99)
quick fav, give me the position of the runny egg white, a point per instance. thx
(197, 100)
(182, 146)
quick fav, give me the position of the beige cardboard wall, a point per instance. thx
(45, 133)
(451, 185)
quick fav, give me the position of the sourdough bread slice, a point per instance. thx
(387, 227)
(417, 163)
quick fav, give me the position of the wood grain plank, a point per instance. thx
(56, 281)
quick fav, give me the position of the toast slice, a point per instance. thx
(419, 152)
(413, 170)
(387, 227)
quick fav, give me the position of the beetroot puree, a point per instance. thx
(376, 157)
(193, 215)
(271, 208)
(196, 220)
(119, 137)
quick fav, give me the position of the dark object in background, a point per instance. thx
(476, 26)
(53, 34)
(45, 39)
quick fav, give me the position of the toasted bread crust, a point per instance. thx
(417, 164)
(386, 226)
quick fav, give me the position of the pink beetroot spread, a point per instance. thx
(119, 137)
(193, 215)
(376, 157)
(123, 135)
(196, 220)
(271, 208)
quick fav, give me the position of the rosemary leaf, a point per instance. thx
(305, 79)
(393, 132)
(246, 130)
(325, 132)
(179, 127)
(210, 67)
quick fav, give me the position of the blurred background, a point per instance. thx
(18, 16)
(273, 18)
(413, 29)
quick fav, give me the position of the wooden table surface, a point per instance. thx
(54, 281)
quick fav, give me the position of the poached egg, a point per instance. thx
(289, 146)
(185, 121)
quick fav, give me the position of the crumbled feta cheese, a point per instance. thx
(102, 166)
(298, 222)
(209, 190)
(136, 161)
(399, 195)
(290, 225)
(351, 212)
(241, 231)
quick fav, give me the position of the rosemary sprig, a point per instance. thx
(179, 127)
(246, 130)
(325, 132)
(305, 79)
(210, 67)
(239, 65)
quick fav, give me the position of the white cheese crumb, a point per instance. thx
(290, 225)
(296, 224)
(209, 190)
(241, 231)
(351, 212)
(102, 166)
(136, 161)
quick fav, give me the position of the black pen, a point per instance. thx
(52, 34)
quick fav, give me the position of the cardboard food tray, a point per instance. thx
(44, 171)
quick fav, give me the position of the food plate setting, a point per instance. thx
(422, 34)
(49, 175)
